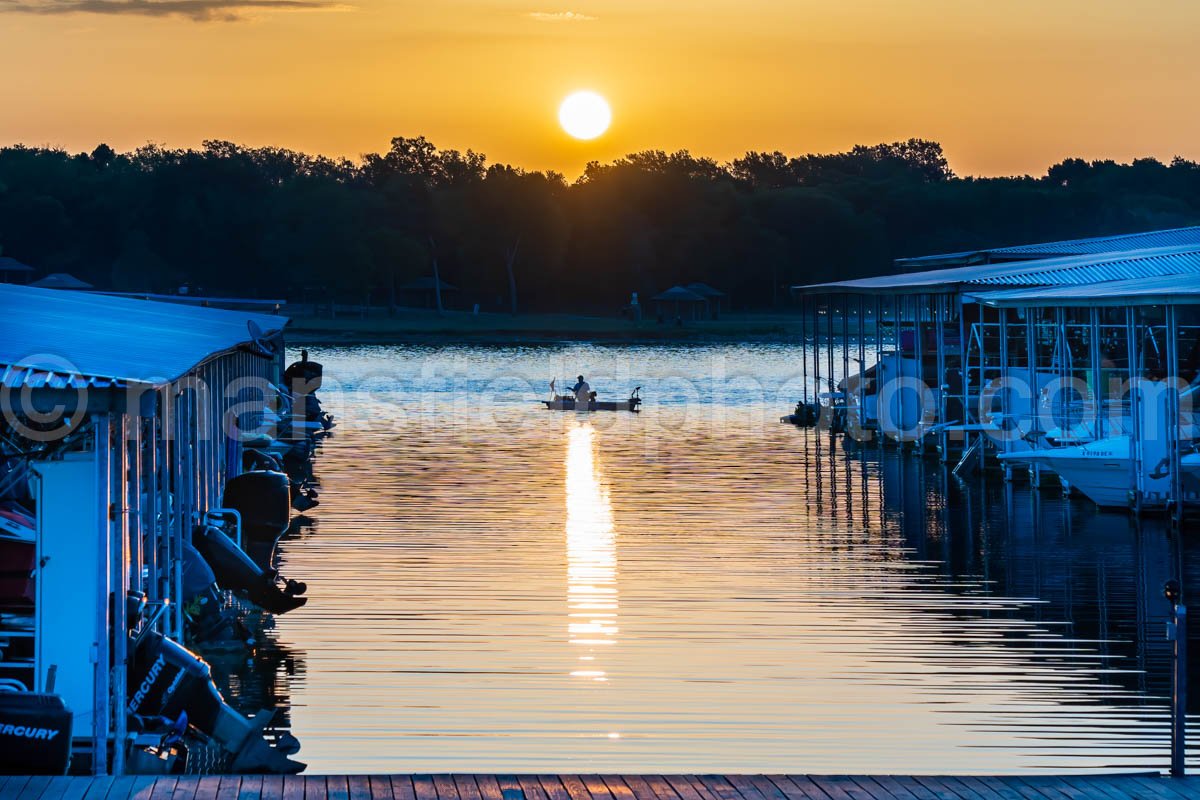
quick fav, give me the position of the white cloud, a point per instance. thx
(561, 16)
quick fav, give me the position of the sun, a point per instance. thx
(584, 115)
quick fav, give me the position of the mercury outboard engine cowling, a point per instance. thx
(35, 734)
(167, 680)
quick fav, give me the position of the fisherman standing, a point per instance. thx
(583, 392)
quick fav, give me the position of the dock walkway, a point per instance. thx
(601, 787)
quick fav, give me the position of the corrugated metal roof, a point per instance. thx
(1067, 270)
(1181, 289)
(1171, 237)
(53, 337)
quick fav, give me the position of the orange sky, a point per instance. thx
(1008, 86)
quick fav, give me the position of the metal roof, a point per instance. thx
(1172, 237)
(679, 294)
(62, 339)
(8, 264)
(61, 280)
(1183, 289)
(1067, 270)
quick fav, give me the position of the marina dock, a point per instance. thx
(599, 787)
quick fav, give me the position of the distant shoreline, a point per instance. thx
(418, 326)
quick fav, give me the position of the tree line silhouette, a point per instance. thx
(272, 222)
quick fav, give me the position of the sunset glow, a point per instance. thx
(342, 79)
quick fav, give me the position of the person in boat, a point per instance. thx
(582, 391)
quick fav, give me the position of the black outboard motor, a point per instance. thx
(166, 681)
(262, 499)
(235, 571)
(202, 611)
(303, 376)
(35, 734)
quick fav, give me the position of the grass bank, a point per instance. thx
(419, 325)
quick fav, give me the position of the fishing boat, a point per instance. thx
(566, 402)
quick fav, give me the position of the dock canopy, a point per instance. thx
(61, 280)
(1062, 271)
(1157, 291)
(56, 338)
(1171, 237)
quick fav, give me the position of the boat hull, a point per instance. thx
(1100, 470)
(569, 404)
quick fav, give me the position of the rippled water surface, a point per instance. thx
(497, 587)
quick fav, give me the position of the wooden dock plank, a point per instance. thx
(596, 787)
(575, 787)
(402, 788)
(315, 787)
(185, 787)
(423, 788)
(250, 788)
(489, 787)
(531, 786)
(207, 787)
(510, 788)
(467, 788)
(553, 787)
(745, 787)
(674, 787)
(380, 787)
(76, 790)
(33, 788)
(601, 787)
(1109, 790)
(1166, 789)
(360, 788)
(940, 787)
(444, 786)
(56, 788)
(336, 787)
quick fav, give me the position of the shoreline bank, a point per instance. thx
(428, 327)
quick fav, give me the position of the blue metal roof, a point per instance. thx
(1067, 270)
(1181, 289)
(1171, 237)
(50, 337)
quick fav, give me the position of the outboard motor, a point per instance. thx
(167, 681)
(35, 734)
(235, 571)
(262, 499)
(202, 611)
(303, 376)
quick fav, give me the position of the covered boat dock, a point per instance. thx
(924, 358)
(120, 428)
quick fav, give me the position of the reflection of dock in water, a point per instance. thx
(1063, 594)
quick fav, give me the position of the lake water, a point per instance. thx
(697, 588)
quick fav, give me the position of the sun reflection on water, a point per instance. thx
(591, 555)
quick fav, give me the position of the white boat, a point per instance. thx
(1102, 470)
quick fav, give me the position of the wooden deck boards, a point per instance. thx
(603, 787)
